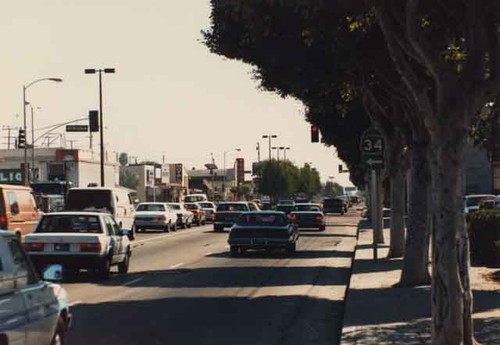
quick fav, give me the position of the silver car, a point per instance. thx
(209, 208)
(32, 311)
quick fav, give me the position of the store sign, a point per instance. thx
(165, 174)
(178, 172)
(11, 176)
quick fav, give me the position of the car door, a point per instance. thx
(13, 311)
(114, 238)
(122, 240)
(40, 301)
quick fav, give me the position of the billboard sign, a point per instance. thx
(11, 176)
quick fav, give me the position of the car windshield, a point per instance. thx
(312, 208)
(191, 206)
(475, 200)
(256, 219)
(151, 207)
(232, 207)
(175, 206)
(286, 202)
(69, 224)
(332, 201)
(206, 205)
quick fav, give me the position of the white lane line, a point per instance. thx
(133, 281)
(176, 266)
(209, 253)
(75, 303)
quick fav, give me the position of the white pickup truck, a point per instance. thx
(32, 311)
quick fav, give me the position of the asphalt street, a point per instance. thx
(184, 288)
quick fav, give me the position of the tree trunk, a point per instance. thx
(451, 291)
(415, 271)
(396, 248)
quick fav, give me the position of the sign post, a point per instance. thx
(372, 147)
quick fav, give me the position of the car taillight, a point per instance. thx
(33, 247)
(319, 217)
(90, 247)
(160, 219)
(292, 217)
(214, 216)
(3, 222)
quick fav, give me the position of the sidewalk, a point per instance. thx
(376, 313)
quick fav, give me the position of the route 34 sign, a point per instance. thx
(372, 147)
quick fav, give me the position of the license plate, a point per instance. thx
(61, 247)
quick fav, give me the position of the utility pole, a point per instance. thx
(269, 136)
(258, 152)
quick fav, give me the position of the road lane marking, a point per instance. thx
(209, 253)
(176, 266)
(133, 281)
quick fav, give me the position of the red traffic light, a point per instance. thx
(314, 134)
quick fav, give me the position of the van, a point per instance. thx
(116, 201)
(195, 198)
(18, 209)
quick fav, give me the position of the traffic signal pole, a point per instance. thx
(26, 180)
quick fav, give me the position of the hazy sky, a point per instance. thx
(170, 96)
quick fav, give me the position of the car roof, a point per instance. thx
(306, 203)
(265, 212)
(6, 233)
(479, 195)
(233, 202)
(152, 203)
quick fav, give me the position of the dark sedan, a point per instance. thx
(308, 215)
(263, 230)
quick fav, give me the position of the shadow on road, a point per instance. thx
(288, 320)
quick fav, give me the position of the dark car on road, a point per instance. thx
(333, 205)
(285, 206)
(308, 215)
(263, 230)
(227, 213)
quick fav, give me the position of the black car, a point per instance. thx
(308, 215)
(333, 205)
(263, 230)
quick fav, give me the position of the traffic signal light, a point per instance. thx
(21, 139)
(94, 120)
(314, 134)
(340, 169)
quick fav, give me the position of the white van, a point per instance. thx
(195, 198)
(116, 201)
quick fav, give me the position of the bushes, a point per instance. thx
(484, 235)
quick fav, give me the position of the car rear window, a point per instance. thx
(191, 206)
(262, 220)
(232, 207)
(80, 200)
(312, 208)
(69, 224)
(332, 202)
(174, 206)
(151, 207)
(206, 205)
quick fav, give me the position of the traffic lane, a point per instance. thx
(254, 299)
(156, 252)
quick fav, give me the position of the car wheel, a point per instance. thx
(292, 247)
(174, 227)
(189, 225)
(104, 269)
(124, 265)
(322, 228)
(184, 225)
(234, 251)
(131, 236)
(166, 228)
(59, 337)
(203, 222)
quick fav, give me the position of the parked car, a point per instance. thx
(333, 205)
(155, 215)
(184, 216)
(18, 209)
(308, 215)
(228, 212)
(285, 206)
(199, 217)
(471, 201)
(32, 311)
(79, 240)
(263, 230)
(116, 201)
(209, 208)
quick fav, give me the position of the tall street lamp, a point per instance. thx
(101, 126)
(269, 136)
(32, 141)
(277, 152)
(284, 148)
(25, 87)
(224, 176)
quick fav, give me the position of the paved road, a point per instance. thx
(184, 288)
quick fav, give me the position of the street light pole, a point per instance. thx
(224, 176)
(26, 178)
(284, 151)
(269, 136)
(101, 126)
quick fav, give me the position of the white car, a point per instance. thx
(184, 216)
(32, 311)
(209, 208)
(471, 201)
(79, 240)
(155, 215)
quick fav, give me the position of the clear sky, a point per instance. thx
(169, 97)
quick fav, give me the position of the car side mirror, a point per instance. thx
(53, 273)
